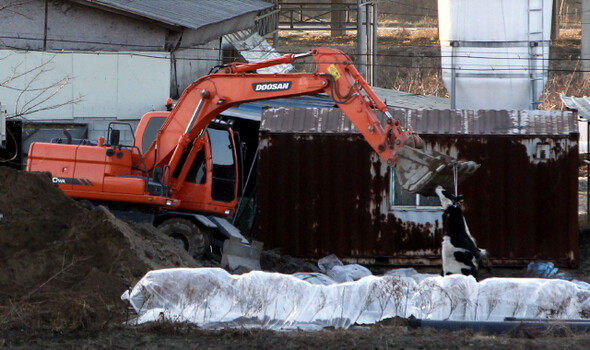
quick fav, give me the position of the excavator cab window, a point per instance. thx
(151, 130)
(224, 165)
(198, 172)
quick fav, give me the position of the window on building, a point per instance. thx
(401, 199)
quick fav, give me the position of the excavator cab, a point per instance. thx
(210, 182)
(209, 191)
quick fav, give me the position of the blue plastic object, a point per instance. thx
(546, 270)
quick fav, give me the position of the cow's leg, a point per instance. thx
(465, 257)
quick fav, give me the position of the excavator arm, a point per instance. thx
(238, 83)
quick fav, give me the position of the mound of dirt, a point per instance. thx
(65, 266)
(274, 261)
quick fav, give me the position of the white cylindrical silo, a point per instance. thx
(495, 53)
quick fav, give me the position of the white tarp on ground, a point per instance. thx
(213, 298)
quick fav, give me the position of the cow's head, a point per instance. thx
(447, 199)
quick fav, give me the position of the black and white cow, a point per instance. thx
(459, 250)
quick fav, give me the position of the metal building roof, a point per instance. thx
(253, 47)
(253, 110)
(192, 14)
(399, 99)
(453, 122)
(580, 104)
(396, 99)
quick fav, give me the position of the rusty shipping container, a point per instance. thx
(322, 190)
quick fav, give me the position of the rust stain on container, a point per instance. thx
(322, 190)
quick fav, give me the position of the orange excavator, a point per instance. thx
(180, 173)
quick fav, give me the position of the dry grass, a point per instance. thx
(410, 61)
(415, 81)
(408, 37)
(566, 72)
(570, 84)
(427, 21)
(569, 36)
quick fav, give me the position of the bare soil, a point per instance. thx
(64, 266)
(386, 336)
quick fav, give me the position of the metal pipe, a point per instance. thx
(585, 54)
(301, 55)
(361, 39)
(453, 77)
(369, 42)
(374, 48)
(46, 27)
(197, 110)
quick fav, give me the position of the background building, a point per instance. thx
(92, 62)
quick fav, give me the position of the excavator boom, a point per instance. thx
(238, 83)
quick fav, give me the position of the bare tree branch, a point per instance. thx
(21, 114)
(37, 97)
(41, 91)
(14, 75)
(22, 92)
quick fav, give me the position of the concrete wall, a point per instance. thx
(190, 64)
(75, 27)
(98, 127)
(114, 85)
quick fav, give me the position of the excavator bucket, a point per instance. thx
(237, 251)
(420, 172)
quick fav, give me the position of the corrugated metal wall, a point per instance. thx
(322, 189)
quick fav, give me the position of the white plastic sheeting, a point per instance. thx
(338, 272)
(212, 298)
